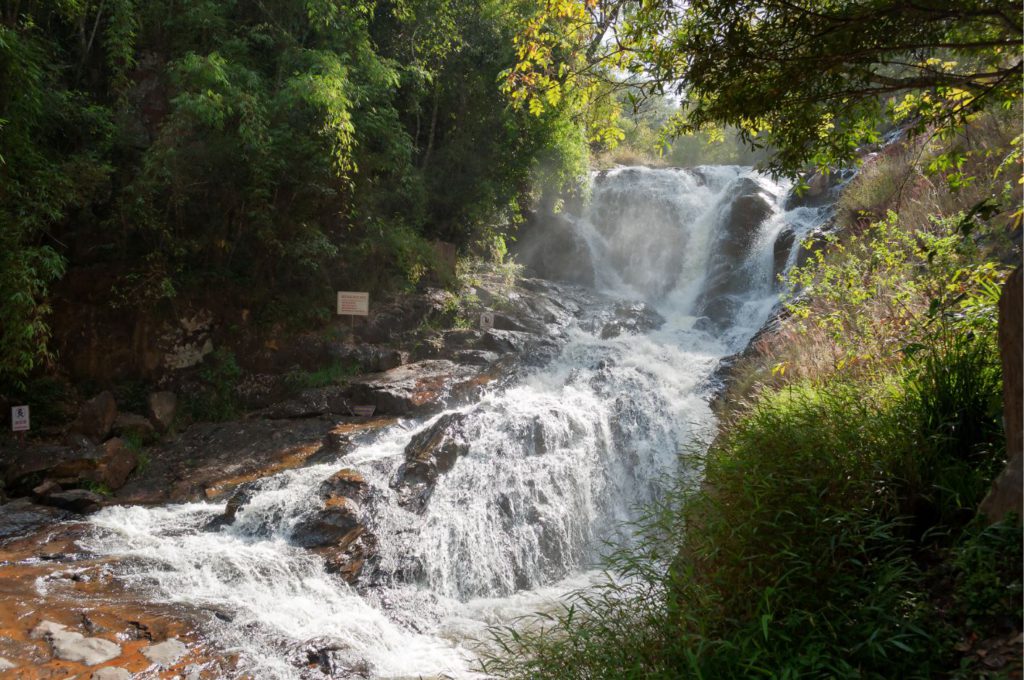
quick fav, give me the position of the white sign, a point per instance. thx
(354, 304)
(487, 321)
(19, 418)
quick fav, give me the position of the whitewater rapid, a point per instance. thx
(557, 462)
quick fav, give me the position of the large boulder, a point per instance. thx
(79, 501)
(429, 454)
(96, 417)
(781, 249)
(413, 388)
(337, 530)
(109, 465)
(737, 232)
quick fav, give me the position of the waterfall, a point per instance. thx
(552, 467)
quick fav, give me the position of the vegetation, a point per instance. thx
(275, 151)
(810, 81)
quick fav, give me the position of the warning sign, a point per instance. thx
(19, 418)
(353, 304)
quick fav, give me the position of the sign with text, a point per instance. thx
(487, 321)
(364, 411)
(353, 304)
(19, 418)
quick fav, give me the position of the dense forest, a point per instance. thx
(228, 165)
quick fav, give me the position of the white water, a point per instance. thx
(555, 463)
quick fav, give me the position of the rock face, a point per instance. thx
(429, 454)
(162, 407)
(414, 388)
(72, 646)
(726, 277)
(337, 531)
(96, 417)
(552, 248)
(781, 249)
(109, 465)
(1006, 493)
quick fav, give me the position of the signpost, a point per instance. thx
(20, 421)
(487, 321)
(353, 304)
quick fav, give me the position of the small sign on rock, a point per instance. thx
(19, 419)
(487, 321)
(364, 411)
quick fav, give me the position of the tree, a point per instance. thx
(811, 79)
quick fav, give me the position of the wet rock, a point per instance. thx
(634, 318)
(337, 531)
(111, 673)
(430, 453)
(166, 653)
(330, 657)
(240, 497)
(737, 231)
(780, 252)
(21, 517)
(313, 401)
(80, 501)
(71, 646)
(135, 426)
(210, 460)
(96, 417)
(161, 409)
(347, 482)
(413, 388)
(331, 525)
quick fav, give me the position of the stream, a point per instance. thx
(555, 463)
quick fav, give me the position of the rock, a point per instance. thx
(71, 646)
(166, 653)
(135, 426)
(46, 488)
(347, 482)
(312, 401)
(240, 497)
(161, 409)
(80, 501)
(632, 318)
(331, 525)
(413, 388)
(6, 665)
(1006, 492)
(430, 453)
(115, 464)
(21, 517)
(96, 417)
(111, 673)
(780, 253)
(738, 228)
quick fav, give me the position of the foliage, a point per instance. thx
(806, 79)
(216, 399)
(332, 374)
(275, 151)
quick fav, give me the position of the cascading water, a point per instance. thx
(553, 464)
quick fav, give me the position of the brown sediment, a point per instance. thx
(46, 577)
